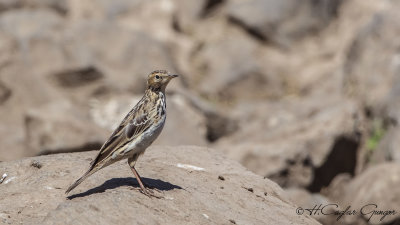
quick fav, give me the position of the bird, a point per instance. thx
(137, 131)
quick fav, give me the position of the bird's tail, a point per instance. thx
(80, 180)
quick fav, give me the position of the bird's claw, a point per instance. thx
(150, 193)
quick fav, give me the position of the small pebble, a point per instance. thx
(221, 177)
(232, 221)
(265, 193)
(4, 177)
(250, 189)
(36, 164)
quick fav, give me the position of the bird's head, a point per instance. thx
(158, 80)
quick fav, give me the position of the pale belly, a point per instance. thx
(146, 139)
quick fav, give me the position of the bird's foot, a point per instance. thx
(150, 193)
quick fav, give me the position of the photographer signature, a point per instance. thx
(369, 211)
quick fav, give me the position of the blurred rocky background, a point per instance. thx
(303, 92)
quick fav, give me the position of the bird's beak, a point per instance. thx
(173, 76)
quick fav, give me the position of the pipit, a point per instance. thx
(137, 130)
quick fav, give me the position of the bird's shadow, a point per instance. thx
(127, 181)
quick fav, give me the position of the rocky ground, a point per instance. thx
(301, 92)
(196, 186)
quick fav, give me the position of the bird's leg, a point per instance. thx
(139, 180)
(144, 190)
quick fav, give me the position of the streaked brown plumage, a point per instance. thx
(137, 131)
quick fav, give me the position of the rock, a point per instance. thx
(78, 77)
(187, 14)
(185, 177)
(131, 51)
(373, 190)
(337, 186)
(56, 128)
(72, 47)
(284, 21)
(303, 144)
(219, 125)
(59, 6)
(5, 93)
(218, 122)
(129, 15)
(368, 78)
(19, 29)
(101, 10)
(184, 124)
(304, 198)
(224, 73)
(31, 37)
(12, 139)
(392, 102)
(223, 64)
(26, 26)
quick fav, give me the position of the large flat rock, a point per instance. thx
(197, 186)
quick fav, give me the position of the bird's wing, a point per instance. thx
(135, 123)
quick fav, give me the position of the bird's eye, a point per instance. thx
(157, 77)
